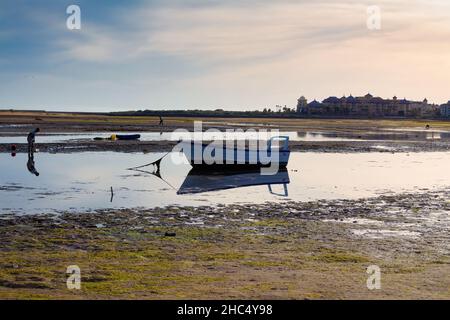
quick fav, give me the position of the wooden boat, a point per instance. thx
(115, 137)
(128, 136)
(199, 153)
(200, 180)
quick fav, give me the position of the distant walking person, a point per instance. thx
(161, 121)
(31, 139)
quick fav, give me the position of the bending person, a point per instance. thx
(31, 139)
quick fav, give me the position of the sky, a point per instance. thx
(210, 54)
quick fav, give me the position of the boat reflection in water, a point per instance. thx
(205, 180)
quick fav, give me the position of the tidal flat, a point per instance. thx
(67, 133)
(291, 250)
(361, 193)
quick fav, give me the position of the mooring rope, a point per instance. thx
(156, 162)
(157, 172)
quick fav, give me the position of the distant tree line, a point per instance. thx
(277, 111)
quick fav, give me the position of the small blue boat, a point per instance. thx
(128, 136)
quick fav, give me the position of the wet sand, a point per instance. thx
(385, 135)
(70, 122)
(300, 146)
(312, 250)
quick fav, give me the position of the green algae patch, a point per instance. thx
(277, 256)
(332, 256)
(269, 223)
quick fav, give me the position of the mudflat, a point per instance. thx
(53, 121)
(283, 250)
(310, 250)
(358, 135)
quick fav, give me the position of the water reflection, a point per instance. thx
(31, 165)
(201, 180)
(175, 136)
(83, 181)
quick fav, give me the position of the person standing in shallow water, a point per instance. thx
(31, 139)
(161, 121)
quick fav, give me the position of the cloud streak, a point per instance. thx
(230, 54)
(219, 33)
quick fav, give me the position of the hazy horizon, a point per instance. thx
(232, 55)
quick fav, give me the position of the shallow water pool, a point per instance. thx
(43, 137)
(83, 181)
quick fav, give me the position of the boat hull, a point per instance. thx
(128, 136)
(203, 154)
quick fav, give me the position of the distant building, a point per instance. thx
(445, 110)
(314, 107)
(369, 105)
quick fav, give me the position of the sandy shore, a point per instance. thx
(71, 122)
(298, 146)
(365, 135)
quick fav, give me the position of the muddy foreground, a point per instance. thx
(314, 250)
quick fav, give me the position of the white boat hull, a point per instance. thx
(199, 154)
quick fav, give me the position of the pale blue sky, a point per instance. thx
(234, 54)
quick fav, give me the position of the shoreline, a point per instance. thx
(54, 122)
(295, 146)
(365, 135)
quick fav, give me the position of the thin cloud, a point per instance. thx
(219, 32)
(233, 32)
(231, 53)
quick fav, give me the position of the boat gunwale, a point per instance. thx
(204, 143)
